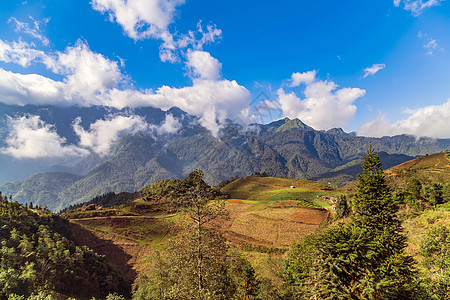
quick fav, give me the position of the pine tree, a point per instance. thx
(364, 259)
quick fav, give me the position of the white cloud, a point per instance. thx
(416, 7)
(212, 101)
(103, 133)
(87, 75)
(140, 19)
(170, 125)
(34, 31)
(430, 44)
(20, 53)
(373, 69)
(18, 89)
(30, 137)
(91, 79)
(143, 19)
(430, 121)
(324, 106)
(200, 37)
(306, 78)
(203, 65)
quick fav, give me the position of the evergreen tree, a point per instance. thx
(364, 259)
(342, 207)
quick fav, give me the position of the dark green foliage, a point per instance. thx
(365, 258)
(243, 276)
(106, 200)
(414, 187)
(37, 254)
(297, 267)
(373, 203)
(343, 208)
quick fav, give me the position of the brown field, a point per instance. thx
(310, 216)
(235, 201)
(270, 227)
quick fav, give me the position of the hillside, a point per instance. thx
(265, 217)
(285, 148)
(39, 252)
(273, 212)
(434, 167)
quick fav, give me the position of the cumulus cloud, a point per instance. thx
(170, 125)
(103, 133)
(89, 78)
(416, 7)
(34, 31)
(324, 105)
(213, 101)
(306, 77)
(142, 19)
(30, 137)
(203, 65)
(430, 121)
(369, 71)
(19, 89)
(20, 53)
(87, 75)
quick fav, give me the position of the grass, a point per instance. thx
(417, 226)
(263, 189)
(141, 230)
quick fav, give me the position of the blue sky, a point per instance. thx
(374, 67)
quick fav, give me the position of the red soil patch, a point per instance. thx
(310, 216)
(235, 201)
(286, 203)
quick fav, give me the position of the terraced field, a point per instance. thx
(266, 215)
(434, 167)
(273, 212)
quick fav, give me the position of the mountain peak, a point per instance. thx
(337, 131)
(292, 124)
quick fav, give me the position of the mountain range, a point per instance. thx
(284, 148)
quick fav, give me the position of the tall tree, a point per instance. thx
(364, 259)
(195, 264)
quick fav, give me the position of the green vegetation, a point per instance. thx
(266, 189)
(389, 239)
(37, 254)
(365, 257)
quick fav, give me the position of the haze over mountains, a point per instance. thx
(82, 161)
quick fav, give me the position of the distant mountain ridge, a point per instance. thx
(284, 148)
